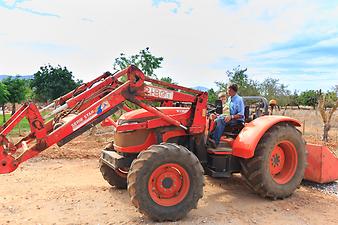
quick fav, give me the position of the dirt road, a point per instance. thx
(62, 191)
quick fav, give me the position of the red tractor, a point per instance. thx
(160, 154)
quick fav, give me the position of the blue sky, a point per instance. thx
(294, 41)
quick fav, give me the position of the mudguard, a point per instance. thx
(245, 143)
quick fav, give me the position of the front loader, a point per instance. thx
(160, 151)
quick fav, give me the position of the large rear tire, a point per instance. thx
(278, 166)
(165, 182)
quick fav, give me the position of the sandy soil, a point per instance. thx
(65, 186)
(62, 191)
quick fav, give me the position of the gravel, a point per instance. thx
(329, 188)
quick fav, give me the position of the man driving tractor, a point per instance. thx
(233, 112)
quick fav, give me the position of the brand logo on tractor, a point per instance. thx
(158, 92)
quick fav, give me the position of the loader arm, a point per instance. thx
(90, 104)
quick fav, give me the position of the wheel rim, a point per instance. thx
(169, 184)
(283, 162)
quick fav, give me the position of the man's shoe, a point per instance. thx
(212, 143)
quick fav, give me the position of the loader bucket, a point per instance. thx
(322, 164)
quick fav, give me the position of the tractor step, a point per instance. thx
(222, 165)
(214, 173)
(220, 150)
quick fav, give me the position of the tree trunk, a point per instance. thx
(13, 108)
(326, 129)
(3, 113)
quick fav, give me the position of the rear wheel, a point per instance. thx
(278, 166)
(165, 182)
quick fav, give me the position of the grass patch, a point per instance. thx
(20, 128)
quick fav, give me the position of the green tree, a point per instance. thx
(271, 88)
(309, 98)
(212, 96)
(144, 60)
(246, 86)
(17, 90)
(4, 94)
(52, 82)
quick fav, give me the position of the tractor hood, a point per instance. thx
(141, 114)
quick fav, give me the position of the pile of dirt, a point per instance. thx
(85, 146)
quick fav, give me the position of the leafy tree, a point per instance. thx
(309, 98)
(144, 60)
(17, 90)
(212, 96)
(246, 86)
(52, 82)
(272, 89)
(3, 98)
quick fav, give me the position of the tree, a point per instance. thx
(52, 82)
(309, 98)
(271, 88)
(168, 80)
(4, 94)
(212, 96)
(17, 90)
(246, 86)
(326, 116)
(144, 60)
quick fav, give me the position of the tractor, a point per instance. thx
(160, 151)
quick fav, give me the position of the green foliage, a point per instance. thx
(212, 96)
(168, 80)
(271, 88)
(309, 98)
(52, 82)
(144, 60)
(4, 94)
(330, 99)
(246, 86)
(17, 89)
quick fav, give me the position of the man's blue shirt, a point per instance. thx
(236, 105)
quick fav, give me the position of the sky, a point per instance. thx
(295, 41)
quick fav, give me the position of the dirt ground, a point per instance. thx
(59, 189)
(63, 191)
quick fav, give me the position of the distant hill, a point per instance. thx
(21, 76)
(201, 88)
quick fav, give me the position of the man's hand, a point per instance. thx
(227, 118)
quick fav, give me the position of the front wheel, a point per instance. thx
(165, 182)
(278, 166)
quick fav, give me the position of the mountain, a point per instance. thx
(201, 88)
(21, 76)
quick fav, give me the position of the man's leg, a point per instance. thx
(220, 125)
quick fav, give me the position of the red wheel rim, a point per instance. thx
(168, 184)
(283, 162)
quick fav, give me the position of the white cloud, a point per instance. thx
(87, 36)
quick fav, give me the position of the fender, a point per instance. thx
(245, 143)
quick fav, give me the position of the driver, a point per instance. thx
(234, 115)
